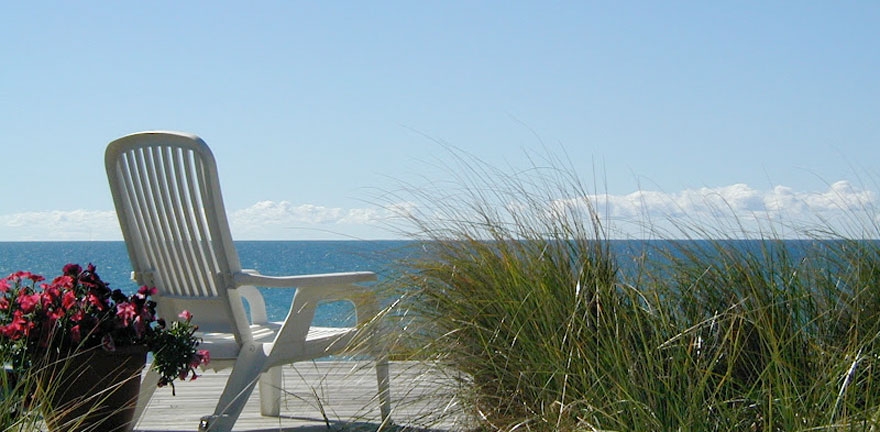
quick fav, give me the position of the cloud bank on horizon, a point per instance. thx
(841, 208)
(739, 210)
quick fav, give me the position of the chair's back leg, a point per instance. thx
(384, 391)
(270, 392)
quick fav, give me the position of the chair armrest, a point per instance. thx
(253, 278)
(312, 289)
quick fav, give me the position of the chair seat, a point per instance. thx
(223, 346)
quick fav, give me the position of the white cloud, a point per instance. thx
(60, 225)
(738, 199)
(627, 215)
(283, 212)
(841, 205)
(279, 220)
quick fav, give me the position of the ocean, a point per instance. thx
(274, 258)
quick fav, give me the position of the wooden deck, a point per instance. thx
(319, 396)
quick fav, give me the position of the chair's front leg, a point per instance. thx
(148, 387)
(239, 387)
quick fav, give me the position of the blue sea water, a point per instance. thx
(276, 258)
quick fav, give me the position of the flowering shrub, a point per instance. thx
(78, 311)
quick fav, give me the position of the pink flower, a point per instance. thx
(64, 282)
(95, 301)
(68, 300)
(49, 296)
(185, 315)
(201, 358)
(140, 326)
(145, 291)
(77, 315)
(20, 275)
(126, 312)
(205, 356)
(4, 285)
(54, 314)
(142, 321)
(28, 302)
(18, 327)
(9, 331)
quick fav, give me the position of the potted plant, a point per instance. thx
(87, 344)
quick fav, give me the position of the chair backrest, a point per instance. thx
(168, 201)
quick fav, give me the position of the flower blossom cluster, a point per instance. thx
(77, 310)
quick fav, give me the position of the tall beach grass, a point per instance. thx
(47, 391)
(521, 296)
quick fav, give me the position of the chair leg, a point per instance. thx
(239, 386)
(270, 392)
(383, 379)
(148, 387)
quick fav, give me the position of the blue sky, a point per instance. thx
(312, 107)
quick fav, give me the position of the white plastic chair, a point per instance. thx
(167, 196)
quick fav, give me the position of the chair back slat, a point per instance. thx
(191, 223)
(168, 201)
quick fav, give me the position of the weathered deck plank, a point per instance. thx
(341, 394)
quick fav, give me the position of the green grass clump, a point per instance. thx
(524, 297)
(785, 331)
(18, 405)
